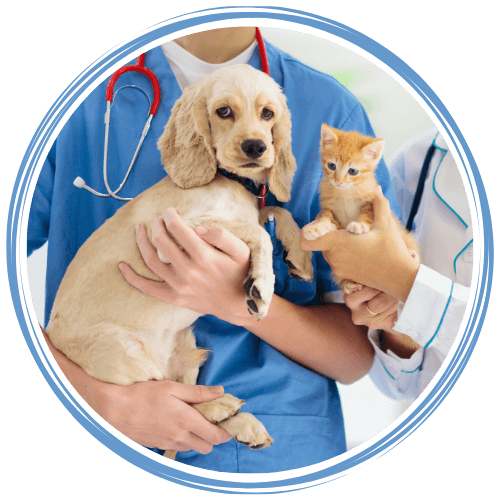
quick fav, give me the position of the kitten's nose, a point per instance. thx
(339, 183)
(253, 148)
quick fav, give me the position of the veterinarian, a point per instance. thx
(286, 365)
(404, 301)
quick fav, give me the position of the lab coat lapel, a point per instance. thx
(443, 218)
(448, 185)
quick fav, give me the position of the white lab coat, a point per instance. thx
(435, 307)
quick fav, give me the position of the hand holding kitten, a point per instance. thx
(378, 259)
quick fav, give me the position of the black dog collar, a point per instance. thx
(248, 184)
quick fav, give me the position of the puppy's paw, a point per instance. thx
(299, 264)
(316, 229)
(358, 227)
(220, 409)
(247, 430)
(259, 293)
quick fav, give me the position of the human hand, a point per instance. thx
(157, 414)
(153, 413)
(378, 258)
(373, 308)
(379, 311)
(206, 276)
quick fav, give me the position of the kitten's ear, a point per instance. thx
(328, 136)
(374, 150)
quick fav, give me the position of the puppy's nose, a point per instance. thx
(253, 148)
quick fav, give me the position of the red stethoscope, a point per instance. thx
(110, 95)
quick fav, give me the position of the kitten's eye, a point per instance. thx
(353, 171)
(267, 114)
(225, 112)
(331, 166)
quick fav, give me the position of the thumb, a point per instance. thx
(225, 241)
(381, 208)
(195, 393)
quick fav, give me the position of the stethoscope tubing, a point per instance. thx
(140, 68)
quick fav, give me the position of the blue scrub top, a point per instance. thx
(300, 408)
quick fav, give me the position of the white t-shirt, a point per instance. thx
(188, 69)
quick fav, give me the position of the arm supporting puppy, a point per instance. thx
(208, 277)
(154, 413)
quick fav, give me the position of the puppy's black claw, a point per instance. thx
(296, 276)
(248, 285)
(256, 293)
(252, 305)
(287, 262)
(257, 446)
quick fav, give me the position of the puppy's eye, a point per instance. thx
(353, 171)
(331, 166)
(267, 114)
(225, 112)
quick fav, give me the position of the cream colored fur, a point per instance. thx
(120, 335)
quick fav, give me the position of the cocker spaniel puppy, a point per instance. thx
(235, 119)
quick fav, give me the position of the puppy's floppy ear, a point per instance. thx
(281, 174)
(186, 143)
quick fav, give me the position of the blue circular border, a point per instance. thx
(20, 292)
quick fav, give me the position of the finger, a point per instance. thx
(324, 243)
(166, 245)
(216, 435)
(210, 433)
(387, 322)
(356, 299)
(200, 439)
(150, 255)
(195, 431)
(225, 241)
(382, 302)
(195, 393)
(182, 233)
(361, 316)
(158, 289)
(381, 208)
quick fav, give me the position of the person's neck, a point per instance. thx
(218, 46)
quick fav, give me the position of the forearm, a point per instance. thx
(93, 391)
(322, 338)
(400, 344)
(398, 279)
(153, 413)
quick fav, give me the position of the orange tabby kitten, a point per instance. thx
(347, 188)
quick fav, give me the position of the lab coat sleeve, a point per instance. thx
(444, 303)
(39, 218)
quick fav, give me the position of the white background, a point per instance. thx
(396, 116)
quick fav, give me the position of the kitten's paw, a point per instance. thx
(247, 430)
(358, 227)
(299, 264)
(317, 229)
(350, 286)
